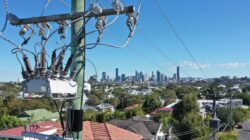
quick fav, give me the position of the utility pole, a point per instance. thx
(215, 122)
(79, 60)
(75, 113)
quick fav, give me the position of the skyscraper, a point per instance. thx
(104, 76)
(178, 74)
(136, 75)
(123, 77)
(116, 74)
(158, 76)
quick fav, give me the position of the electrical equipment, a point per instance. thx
(117, 5)
(49, 88)
(214, 123)
(49, 83)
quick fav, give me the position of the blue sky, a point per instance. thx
(216, 32)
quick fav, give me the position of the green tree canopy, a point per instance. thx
(151, 103)
(186, 105)
(138, 111)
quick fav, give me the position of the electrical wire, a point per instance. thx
(6, 16)
(154, 46)
(148, 60)
(65, 3)
(179, 37)
(92, 63)
(45, 6)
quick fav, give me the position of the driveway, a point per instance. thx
(244, 133)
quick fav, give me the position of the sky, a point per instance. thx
(217, 33)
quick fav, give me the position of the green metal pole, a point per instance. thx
(79, 60)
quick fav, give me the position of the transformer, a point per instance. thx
(49, 88)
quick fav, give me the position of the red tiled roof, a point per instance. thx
(92, 131)
(17, 132)
(105, 131)
(165, 109)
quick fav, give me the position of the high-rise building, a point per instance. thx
(141, 76)
(158, 76)
(136, 75)
(178, 74)
(104, 76)
(116, 74)
(162, 77)
(153, 77)
(174, 78)
(123, 77)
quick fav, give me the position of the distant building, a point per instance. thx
(136, 76)
(104, 76)
(105, 106)
(153, 77)
(158, 76)
(123, 77)
(178, 74)
(117, 74)
(174, 78)
(38, 115)
(150, 130)
(86, 107)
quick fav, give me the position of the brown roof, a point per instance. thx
(105, 131)
(132, 106)
(91, 131)
(140, 125)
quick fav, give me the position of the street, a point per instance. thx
(244, 133)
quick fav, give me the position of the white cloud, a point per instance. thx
(193, 65)
(233, 65)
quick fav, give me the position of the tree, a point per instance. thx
(119, 115)
(166, 119)
(7, 122)
(90, 115)
(239, 114)
(93, 100)
(151, 103)
(105, 116)
(138, 111)
(192, 122)
(114, 101)
(186, 105)
(245, 97)
(128, 100)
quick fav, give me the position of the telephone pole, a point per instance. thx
(79, 60)
(75, 113)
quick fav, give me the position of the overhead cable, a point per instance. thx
(179, 37)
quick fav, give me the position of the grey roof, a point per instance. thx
(105, 105)
(140, 125)
(86, 107)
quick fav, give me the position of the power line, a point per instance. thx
(45, 6)
(179, 37)
(65, 3)
(154, 46)
(148, 60)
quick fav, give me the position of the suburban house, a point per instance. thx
(150, 130)
(105, 106)
(92, 131)
(38, 115)
(86, 107)
(162, 110)
(132, 107)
